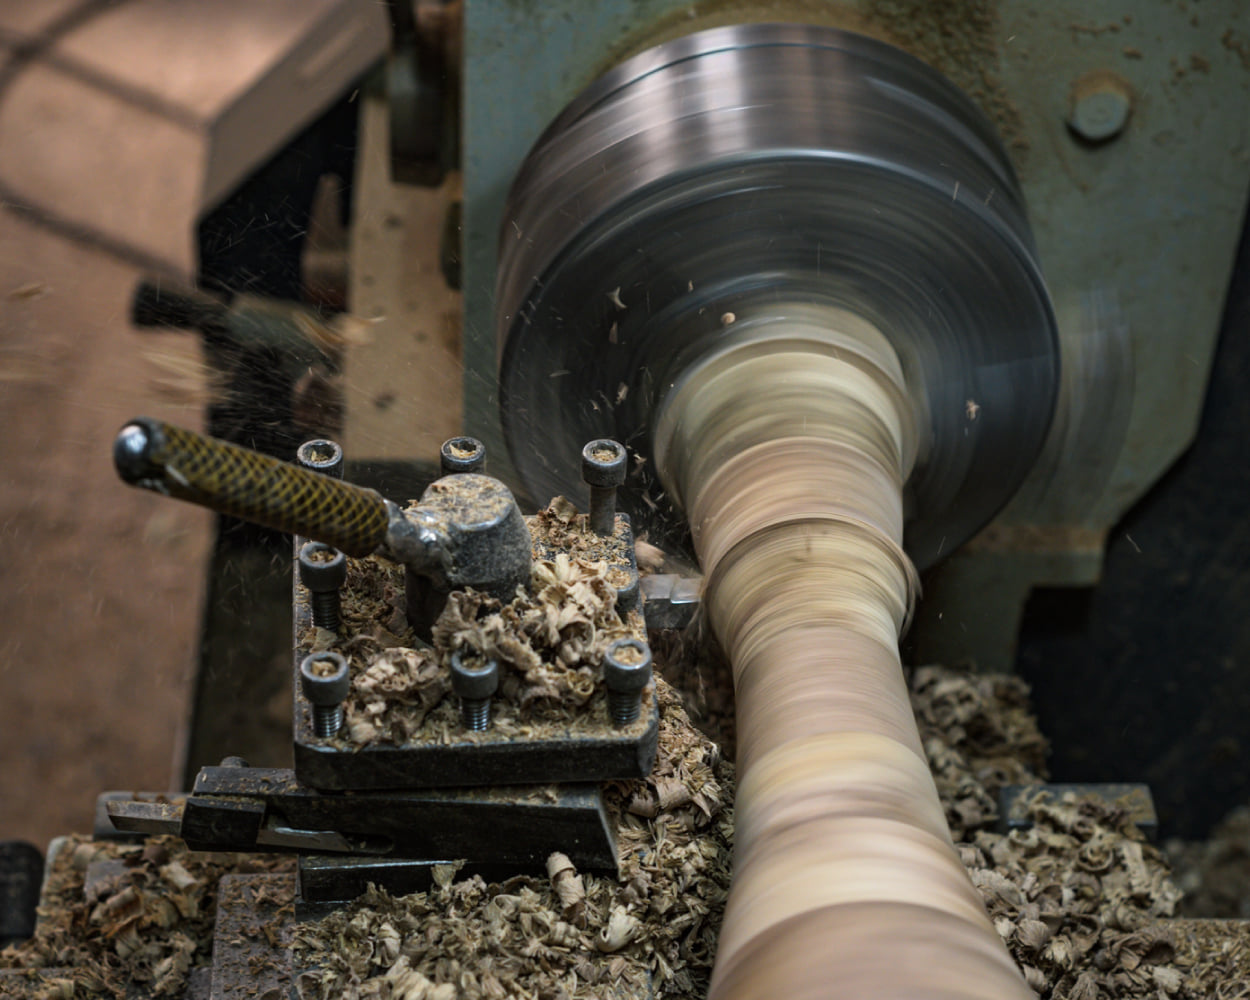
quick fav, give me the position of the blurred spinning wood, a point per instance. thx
(788, 448)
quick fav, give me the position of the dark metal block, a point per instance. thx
(481, 762)
(514, 827)
(328, 881)
(210, 823)
(103, 828)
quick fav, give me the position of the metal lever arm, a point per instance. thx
(246, 484)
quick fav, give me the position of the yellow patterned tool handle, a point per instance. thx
(251, 486)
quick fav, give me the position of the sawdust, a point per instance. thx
(560, 528)
(570, 935)
(549, 642)
(1079, 898)
(959, 38)
(125, 920)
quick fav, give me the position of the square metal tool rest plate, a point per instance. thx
(599, 754)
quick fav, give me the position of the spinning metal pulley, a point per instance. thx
(727, 178)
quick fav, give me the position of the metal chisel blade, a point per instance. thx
(146, 817)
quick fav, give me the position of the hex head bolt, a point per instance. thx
(627, 672)
(474, 685)
(603, 470)
(321, 455)
(325, 681)
(323, 569)
(462, 454)
(1100, 105)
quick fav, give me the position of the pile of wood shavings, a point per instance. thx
(568, 936)
(560, 528)
(549, 642)
(693, 662)
(1081, 900)
(128, 920)
(979, 734)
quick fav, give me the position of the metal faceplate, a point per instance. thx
(746, 166)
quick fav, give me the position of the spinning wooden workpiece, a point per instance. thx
(790, 267)
(791, 447)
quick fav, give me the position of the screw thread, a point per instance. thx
(325, 609)
(475, 713)
(624, 707)
(327, 720)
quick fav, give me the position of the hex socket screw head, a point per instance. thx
(474, 685)
(321, 455)
(627, 672)
(323, 570)
(462, 454)
(325, 681)
(603, 470)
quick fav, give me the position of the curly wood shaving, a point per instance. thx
(549, 642)
(1079, 897)
(128, 920)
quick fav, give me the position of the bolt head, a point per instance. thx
(321, 567)
(462, 454)
(603, 463)
(324, 678)
(627, 666)
(475, 680)
(321, 455)
(1101, 103)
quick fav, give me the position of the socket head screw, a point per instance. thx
(603, 470)
(323, 570)
(603, 463)
(321, 455)
(474, 683)
(627, 672)
(325, 681)
(462, 454)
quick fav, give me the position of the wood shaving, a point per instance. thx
(127, 920)
(1083, 903)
